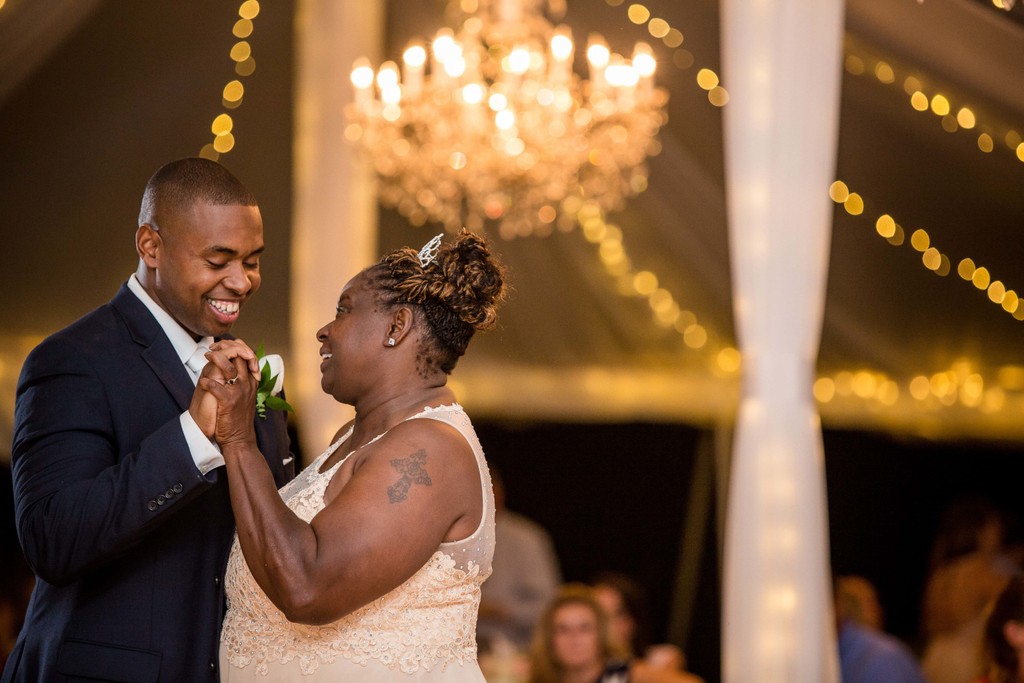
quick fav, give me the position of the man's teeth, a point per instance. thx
(226, 307)
(326, 356)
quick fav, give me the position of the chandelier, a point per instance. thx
(492, 124)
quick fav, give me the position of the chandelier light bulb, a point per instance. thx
(415, 56)
(362, 76)
(598, 53)
(561, 47)
(387, 76)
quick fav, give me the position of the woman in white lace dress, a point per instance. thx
(368, 566)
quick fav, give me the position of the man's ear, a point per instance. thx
(148, 244)
(400, 326)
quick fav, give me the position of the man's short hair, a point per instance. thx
(178, 185)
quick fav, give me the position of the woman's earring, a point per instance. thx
(391, 341)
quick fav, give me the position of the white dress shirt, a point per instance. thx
(205, 453)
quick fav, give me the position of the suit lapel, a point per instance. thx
(157, 351)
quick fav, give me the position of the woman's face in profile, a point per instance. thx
(574, 631)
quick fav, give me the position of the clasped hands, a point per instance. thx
(224, 402)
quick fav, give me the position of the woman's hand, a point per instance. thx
(235, 392)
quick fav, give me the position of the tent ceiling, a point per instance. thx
(570, 345)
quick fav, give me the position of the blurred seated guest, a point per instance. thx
(866, 653)
(624, 600)
(1003, 645)
(969, 570)
(857, 600)
(572, 644)
(525, 577)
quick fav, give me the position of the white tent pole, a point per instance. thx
(335, 210)
(781, 66)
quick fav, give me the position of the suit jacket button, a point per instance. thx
(169, 493)
(216, 581)
(213, 668)
(160, 500)
(176, 488)
(152, 505)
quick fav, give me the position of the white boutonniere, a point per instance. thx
(271, 382)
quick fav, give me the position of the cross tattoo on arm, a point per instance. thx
(412, 471)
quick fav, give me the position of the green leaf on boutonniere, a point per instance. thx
(264, 392)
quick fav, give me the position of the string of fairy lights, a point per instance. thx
(233, 92)
(961, 383)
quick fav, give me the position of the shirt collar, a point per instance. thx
(183, 343)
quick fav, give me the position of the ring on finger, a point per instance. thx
(232, 380)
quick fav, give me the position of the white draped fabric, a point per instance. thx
(335, 214)
(781, 66)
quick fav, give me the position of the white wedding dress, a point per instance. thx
(423, 630)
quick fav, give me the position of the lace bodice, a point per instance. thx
(429, 621)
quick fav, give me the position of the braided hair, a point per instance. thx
(459, 292)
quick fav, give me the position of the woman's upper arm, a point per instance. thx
(391, 516)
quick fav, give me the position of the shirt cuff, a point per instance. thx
(205, 453)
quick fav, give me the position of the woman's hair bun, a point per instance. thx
(468, 279)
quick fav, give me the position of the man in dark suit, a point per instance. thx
(121, 498)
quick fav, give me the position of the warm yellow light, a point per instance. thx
(864, 384)
(561, 46)
(824, 389)
(415, 56)
(854, 204)
(985, 143)
(966, 269)
(996, 292)
(695, 336)
(233, 91)
(944, 266)
(1020, 151)
(884, 73)
(1010, 301)
(1012, 139)
(517, 62)
(885, 225)
(241, 51)
(249, 9)
(472, 93)
(598, 53)
(224, 143)
(246, 67)
(658, 28)
(457, 161)
(965, 117)
(854, 65)
(387, 75)
(611, 251)
(981, 278)
(644, 63)
(838, 191)
(673, 39)
(222, 125)
(638, 14)
(919, 101)
(362, 77)
(941, 384)
(920, 387)
(547, 214)
(208, 152)
(931, 258)
(898, 237)
(505, 119)
(707, 79)
(940, 105)
(920, 240)
(645, 282)
(718, 96)
(888, 392)
(242, 28)
(729, 360)
(660, 300)
(911, 85)
(844, 383)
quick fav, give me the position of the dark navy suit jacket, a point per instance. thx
(128, 540)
